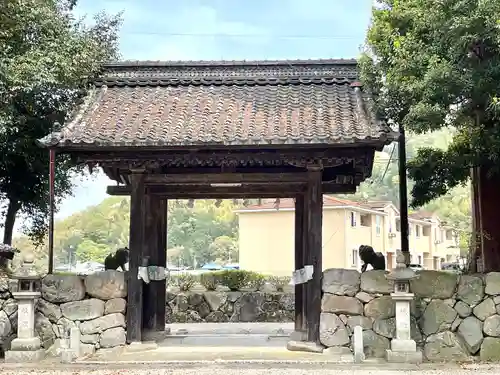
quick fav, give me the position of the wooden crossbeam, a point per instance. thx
(218, 178)
(245, 191)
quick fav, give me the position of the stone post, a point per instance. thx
(357, 343)
(403, 348)
(24, 287)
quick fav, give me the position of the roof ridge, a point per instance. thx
(329, 201)
(226, 63)
(205, 73)
(343, 201)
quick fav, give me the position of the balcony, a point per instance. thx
(362, 234)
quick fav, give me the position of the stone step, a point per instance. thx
(273, 329)
(225, 340)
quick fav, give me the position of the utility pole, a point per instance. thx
(403, 195)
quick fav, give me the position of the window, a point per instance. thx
(365, 220)
(355, 258)
(353, 219)
(420, 259)
(417, 231)
(378, 228)
(426, 231)
(449, 235)
(398, 225)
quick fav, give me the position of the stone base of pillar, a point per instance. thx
(25, 344)
(404, 357)
(156, 336)
(398, 345)
(304, 346)
(142, 346)
(23, 356)
(298, 336)
(25, 350)
(403, 351)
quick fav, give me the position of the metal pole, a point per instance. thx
(403, 196)
(52, 175)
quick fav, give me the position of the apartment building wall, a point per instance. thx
(267, 237)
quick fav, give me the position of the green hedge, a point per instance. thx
(234, 280)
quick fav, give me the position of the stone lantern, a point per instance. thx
(25, 288)
(403, 348)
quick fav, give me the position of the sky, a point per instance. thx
(225, 30)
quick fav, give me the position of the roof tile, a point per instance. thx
(226, 103)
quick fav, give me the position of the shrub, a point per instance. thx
(210, 280)
(255, 281)
(184, 282)
(234, 279)
(279, 282)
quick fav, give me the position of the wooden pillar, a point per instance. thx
(153, 318)
(314, 255)
(300, 246)
(160, 286)
(136, 245)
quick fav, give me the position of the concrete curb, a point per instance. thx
(375, 366)
(132, 365)
(221, 361)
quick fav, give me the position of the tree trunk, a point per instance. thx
(487, 220)
(10, 220)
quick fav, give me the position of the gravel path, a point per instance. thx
(248, 369)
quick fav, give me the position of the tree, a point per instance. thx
(99, 230)
(194, 230)
(454, 206)
(224, 249)
(431, 64)
(434, 64)
(88, 250)
(47, 60)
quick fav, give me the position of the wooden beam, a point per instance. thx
(314, 198)
(155, 249)
(225, 178)
(227, 190)
(136, 243)
(118, 190)
(300, 326)
(227, 196)
(161, 286)
(250, 191)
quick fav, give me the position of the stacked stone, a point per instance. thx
(8, 314)
(454, 318)
(352, 299)
(96, 304)
(218, 307)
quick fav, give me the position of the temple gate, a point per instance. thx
(200, 130)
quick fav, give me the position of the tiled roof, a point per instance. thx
(421, 215)
(288, 203)
(377, 204)
(226, 103)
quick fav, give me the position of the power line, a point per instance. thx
(388, 163)
(221, 35)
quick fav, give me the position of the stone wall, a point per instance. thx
(453, 318)
(192, 307)
(96, 304)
